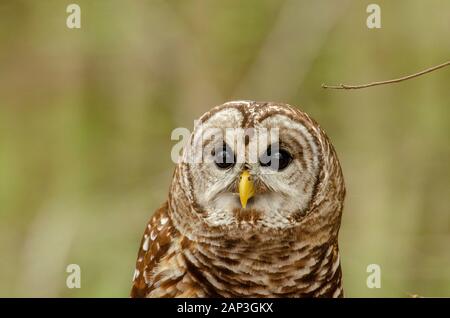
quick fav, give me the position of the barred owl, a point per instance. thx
(248, 215)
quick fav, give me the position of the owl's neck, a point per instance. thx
(259, 269)
(296, 263)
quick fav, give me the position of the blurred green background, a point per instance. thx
(86, 116)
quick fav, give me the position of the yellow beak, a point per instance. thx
(246, 188)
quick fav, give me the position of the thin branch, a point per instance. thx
(397, 80)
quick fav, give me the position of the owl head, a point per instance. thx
(256, 168)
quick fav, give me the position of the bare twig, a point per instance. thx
(397, 80)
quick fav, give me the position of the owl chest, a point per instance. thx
(197, 270)
(228, 274)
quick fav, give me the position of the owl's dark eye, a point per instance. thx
(224, 157)
(277, 159)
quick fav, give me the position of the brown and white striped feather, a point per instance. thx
(182, 255)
